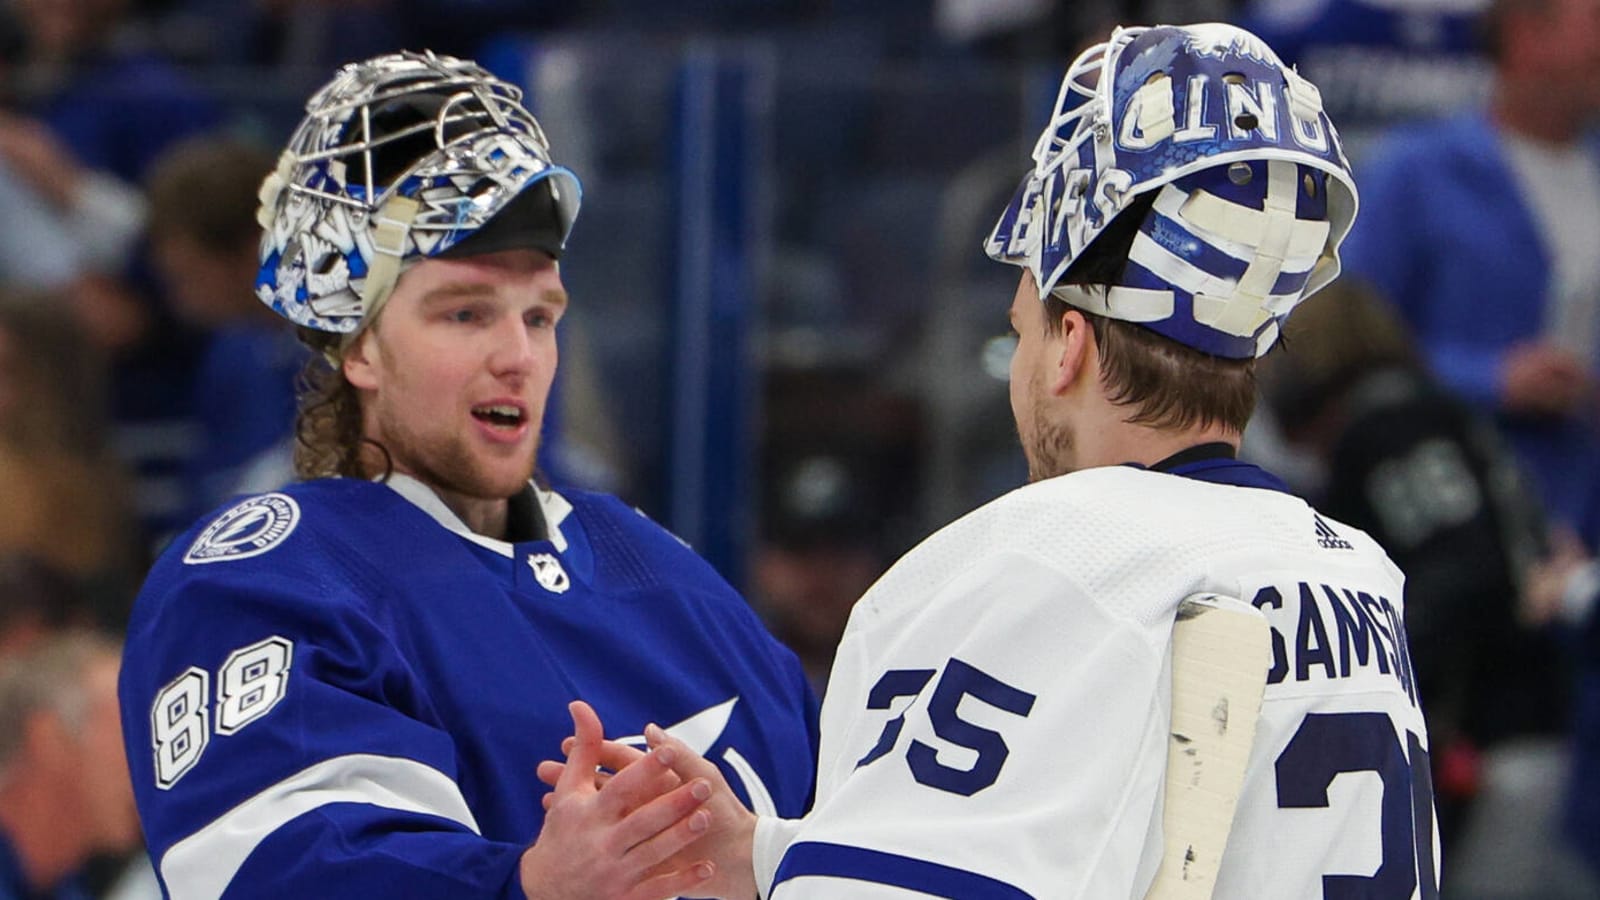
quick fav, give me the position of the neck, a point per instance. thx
(1120, 442)
(48, 845)
(485, 517)
(1535, 112)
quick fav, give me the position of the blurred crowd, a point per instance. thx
(1443, 395)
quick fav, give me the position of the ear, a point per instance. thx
(359, 362)
(1078, 353)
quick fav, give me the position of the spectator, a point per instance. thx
(1428, 477)
(112, 104)
(1379, 62)
(268, 35)
(204, 240)
(1481, 229)
(289, 35)
(65, 500)
(65, 795)
(85, 97)
(35, 600)
(80, 116)
(839, 466)
(52, 253)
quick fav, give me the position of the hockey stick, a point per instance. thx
(1220, 656)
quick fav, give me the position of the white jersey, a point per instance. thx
(996, 722)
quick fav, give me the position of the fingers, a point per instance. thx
(634, 785)
(660, 829)
(626, 834)
(578, 775)
(678, 882)
(616, 756)
(638, 784)
(550, 771)
(613, 756)
(677, 756)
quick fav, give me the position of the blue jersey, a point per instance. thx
(339, 691)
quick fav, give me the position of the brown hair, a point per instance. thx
(57, 372)
(1167, 384)
(204, 189)
(1333, 339)
(328, 428)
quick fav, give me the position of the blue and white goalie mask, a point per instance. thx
(400, 158)
(1253, 192)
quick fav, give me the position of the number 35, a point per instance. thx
(959, 681)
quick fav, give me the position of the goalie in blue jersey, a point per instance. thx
(342, 689)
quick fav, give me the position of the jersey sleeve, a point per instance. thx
(280, 746)
(1007, 740)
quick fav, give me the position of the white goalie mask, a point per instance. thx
(399, 158)
(1253, 194)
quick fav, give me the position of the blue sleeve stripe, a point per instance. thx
(861, 864)
(202, 864)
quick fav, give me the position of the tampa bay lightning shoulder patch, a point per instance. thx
(251, 528)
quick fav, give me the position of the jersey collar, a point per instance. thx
(551, 505)
(1215, 462)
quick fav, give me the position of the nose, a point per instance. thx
(516, 351)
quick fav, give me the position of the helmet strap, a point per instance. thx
(271, 187)
(1130, 304)
(393, 223)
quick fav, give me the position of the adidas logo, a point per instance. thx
(1329, 539)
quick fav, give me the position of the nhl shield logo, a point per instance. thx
(548, 572)
(249, 529)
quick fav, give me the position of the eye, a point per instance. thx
(539, 318)
(463, 316)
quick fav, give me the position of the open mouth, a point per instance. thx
(499, 415)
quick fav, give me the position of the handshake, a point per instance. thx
(638, 825)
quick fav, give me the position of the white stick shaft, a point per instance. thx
(1220, 655)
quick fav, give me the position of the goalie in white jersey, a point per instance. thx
(997, 720)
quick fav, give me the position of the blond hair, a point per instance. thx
(329, 440)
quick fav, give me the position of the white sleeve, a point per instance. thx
(44, 254)
(996, 735)
(107, 218)
(773, 836)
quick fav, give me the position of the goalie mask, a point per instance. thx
(1253, 194)
(401, 158)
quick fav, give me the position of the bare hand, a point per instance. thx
(726, 843)
(623, 838)
(1545, 583)
(39, 157)
(1542, 380)
(107, 311)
